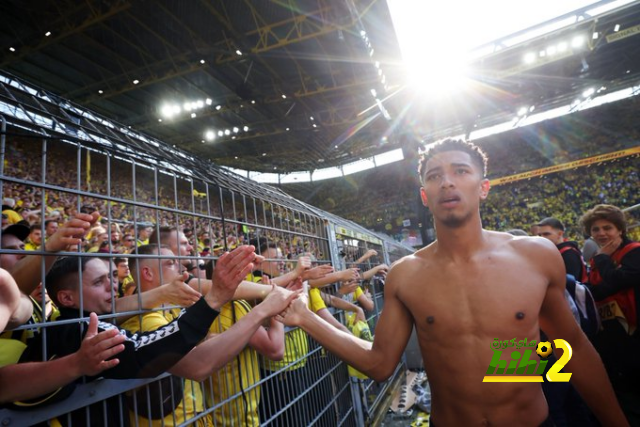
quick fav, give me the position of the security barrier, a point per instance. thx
(57, 159)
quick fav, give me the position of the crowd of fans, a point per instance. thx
(386, 199)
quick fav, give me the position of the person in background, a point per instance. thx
(614, 281)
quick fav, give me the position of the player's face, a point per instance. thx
(550, 233)
(604, 231)
(97, 284)
(453, 187)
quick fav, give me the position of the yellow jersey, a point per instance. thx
(193, 402)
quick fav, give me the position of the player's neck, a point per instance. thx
(462, 241)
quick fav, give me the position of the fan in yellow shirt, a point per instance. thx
(211, 354)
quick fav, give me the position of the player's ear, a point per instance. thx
(485, 185)
(423, 196)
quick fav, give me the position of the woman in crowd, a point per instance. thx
(614, 281)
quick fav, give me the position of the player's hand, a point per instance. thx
(231, 268)
(97, 348)
(278, 300)
(179, 293)
(293, 315)
(317, 272)
(610, 247)
(71, 232)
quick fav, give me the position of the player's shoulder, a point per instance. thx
(536, 249)
(414, 262)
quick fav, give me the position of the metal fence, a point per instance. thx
(56, 159)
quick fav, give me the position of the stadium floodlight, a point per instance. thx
(595, 35)
(48, 33)
(208, 101)
(246, 128)
(220, 133)
(562, 47)
(12, 49)
(551, 50)
(522, 111)
(227, 132)
(311, 118)
(193, 115)
(136, 81)
(200, 104)
(616, 28)
(238, 52)
(187, 106)
(218, 107)
(210, 135)
(202, 61)
(235, 129)
(167, 110)
(587, 93)
(100, 91)
(577, 41)
(284, 96)
(176, 109)
(530, 58)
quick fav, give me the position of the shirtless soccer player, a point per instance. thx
(462, 292)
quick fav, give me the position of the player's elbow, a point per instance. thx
(380, 375)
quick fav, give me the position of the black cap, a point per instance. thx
(20, 229)
(552, 222)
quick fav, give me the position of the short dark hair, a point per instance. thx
(477, 155)
(64, 275)
(609, 213)
(163, 236)
(35, 227)
(118, 260)
(552, 222)
(150, 249)
(47, 222)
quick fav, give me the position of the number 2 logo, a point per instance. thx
(554, 374)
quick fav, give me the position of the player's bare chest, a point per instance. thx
(472, 295)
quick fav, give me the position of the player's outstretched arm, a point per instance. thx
(379, 359)
(587, 372)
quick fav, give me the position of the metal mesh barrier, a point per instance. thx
(57, 160)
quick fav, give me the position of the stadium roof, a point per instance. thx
(299, 85)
